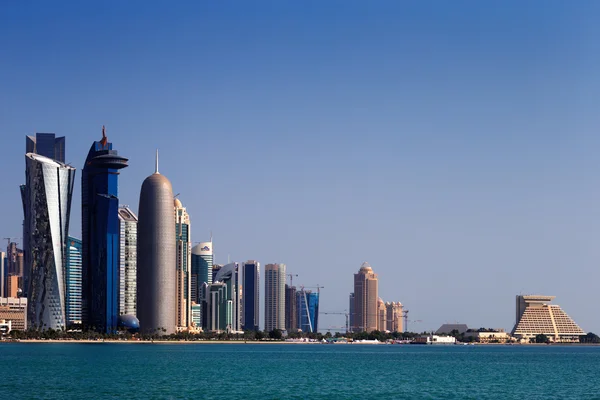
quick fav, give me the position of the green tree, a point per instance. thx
(541, 338)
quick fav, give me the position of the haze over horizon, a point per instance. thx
(453, 146)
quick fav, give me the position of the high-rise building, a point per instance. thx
(291, 310)
(202, 261)
(365, 300)
(127, 261)
(46, 199)
(156, 260)
(184, 259)
(216, 307)
(2, 272)
(14, 256)
(308, 310)
(274, 297)
(381, 316)
(251, 285)
(215, 270)
(47, 145)
(12, 286)
(536, 317)
(229, 275)
(394, 316)
(351, 312)
(100, 231)
(74, 285)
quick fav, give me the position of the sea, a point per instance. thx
(296, 371)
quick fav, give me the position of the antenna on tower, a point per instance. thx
(156, 165)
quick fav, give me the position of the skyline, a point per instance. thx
(453, 155)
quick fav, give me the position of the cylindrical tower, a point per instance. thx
(156, 271)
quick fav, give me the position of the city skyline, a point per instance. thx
(456, 158)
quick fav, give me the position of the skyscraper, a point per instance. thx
(308, 310)
(100, 235)
(156, 271)
(291, 313)
(381, 316)
(229, 275)
(46, 199)
(127, 261)
(394, 316)
(184, 255)
(74, 296)
(2, 272)
(365, 300)
(274, 297)
(251, 285)
(202, 261)
(47, 145)
(216, 307)
(15, 259)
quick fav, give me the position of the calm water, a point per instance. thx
(251, 371)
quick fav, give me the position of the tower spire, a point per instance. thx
(156, 165)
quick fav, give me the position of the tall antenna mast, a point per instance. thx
(156, 165)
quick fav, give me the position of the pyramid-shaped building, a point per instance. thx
(535, 316)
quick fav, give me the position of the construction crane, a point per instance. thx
(292, 278)
(8, 240)
(345, 313)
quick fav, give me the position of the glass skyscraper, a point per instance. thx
(274, 297)
(250, 299)
(46, 198)
(74, 281)
(47, 145)
(307, 304)
(229, 275)
(100, 231)
(184, 255)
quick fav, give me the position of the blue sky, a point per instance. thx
(452, 145)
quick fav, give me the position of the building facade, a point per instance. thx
(291, 309)
(229, 275)
(202, 272)
(365, 300)
(381, 316)
(535, 316)
(394, 316)
(307, 304)
(127, 261)
(274, 297)
(156, 256)
(46, 197)
(15, 310)
(74, 286)
(217, 312)
(184, 260)
(100, 235)
(3, 266)
(251, 297)
(47, 145)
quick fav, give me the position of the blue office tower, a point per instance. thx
(307, 304)
(73, 277)
(100, 231)
(251, 278)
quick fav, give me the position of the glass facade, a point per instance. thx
(46, 199)
(74, 282)
(307, 304)
(100, 231)
(250, 299)
(47, 145)
(182, 241)
(274, 297)
(229, 276)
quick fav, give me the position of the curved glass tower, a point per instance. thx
(46, 199)
(100, 236)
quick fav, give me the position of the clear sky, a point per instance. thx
(451, 144)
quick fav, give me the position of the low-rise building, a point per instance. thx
(14, 309)
(496, 336)
(434, 339)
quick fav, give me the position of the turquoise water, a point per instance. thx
(274, 371)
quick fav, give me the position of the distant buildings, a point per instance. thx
(184, 259)
(366, 297)
(2, 273)
(308, 310)
(250, 298)
(535, 316)
(274, 297)
(127, 261)
(216, 310)
(291, 309)
(229, 297)
(156, 260)
(46, 199)
(394, 316)
(100, 235)
(74, 287)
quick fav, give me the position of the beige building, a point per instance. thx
(381, 316)
(274, 297)
(184, 266)
(366, 315)
(15, 310)
(12, 286)
(394, 316)
(535, 316)
(489, 337)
